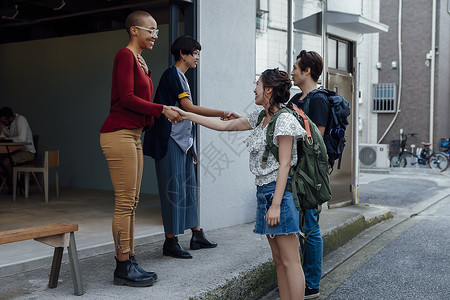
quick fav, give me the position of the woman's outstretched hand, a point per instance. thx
(182, 113)
(241, 123)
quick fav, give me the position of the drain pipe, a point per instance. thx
(432, 71)
(400, 68)
(290, 39)
(324, 43)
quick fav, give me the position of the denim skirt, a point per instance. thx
(289, 217)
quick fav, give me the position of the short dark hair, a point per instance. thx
(281, 84)
(311, 60)
(6, 112)
(185, 44)
(135, 18)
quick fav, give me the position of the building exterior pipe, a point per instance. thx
(432, 71)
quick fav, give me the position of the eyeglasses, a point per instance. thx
(153, 32)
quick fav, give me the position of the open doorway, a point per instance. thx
(59, 77)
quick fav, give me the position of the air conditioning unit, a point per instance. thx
(374, 155)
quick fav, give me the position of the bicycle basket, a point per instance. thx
(445, 143)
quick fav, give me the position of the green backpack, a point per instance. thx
(310, 180)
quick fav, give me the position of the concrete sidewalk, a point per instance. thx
(239, 268)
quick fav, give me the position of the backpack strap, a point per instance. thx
(261, 116)
(333, 113)
(270, 146)
(306, 123)
(272, 149)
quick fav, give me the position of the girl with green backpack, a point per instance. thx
(276, 215)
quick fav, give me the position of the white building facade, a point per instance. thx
(242, 39)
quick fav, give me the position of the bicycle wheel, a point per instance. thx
(398, 161)
(438, 161)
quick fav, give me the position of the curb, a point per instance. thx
(340, 235)
(250, 285)
(258, 282)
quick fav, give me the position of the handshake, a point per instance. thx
(175, 114)
(172, 114)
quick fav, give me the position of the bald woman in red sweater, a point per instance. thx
(131, 111)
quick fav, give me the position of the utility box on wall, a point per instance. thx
(374, 156)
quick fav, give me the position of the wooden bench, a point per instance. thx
(57, 235)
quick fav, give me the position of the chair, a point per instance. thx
(33, 163)
(3, 185)
(51, 160)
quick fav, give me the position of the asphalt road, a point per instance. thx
(404, 258)
(409, 261)
(398, 192)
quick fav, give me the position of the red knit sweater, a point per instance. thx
(131, 95)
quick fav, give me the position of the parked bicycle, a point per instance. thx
(435, 160)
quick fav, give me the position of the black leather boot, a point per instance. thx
(127, 274)
(199, 240)
(140, 269)
(173, 248)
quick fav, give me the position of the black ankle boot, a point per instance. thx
(199, 240)
(127, 274)
(173, 248)
(140, 269)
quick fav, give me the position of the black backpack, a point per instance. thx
(310, 181)
(337, 122)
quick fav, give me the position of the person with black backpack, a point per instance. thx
(305, 73)
(276, 215)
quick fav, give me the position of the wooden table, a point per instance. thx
(10, 147)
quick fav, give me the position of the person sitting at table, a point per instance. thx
(15, 128)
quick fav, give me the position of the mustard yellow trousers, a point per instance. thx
(123, 152)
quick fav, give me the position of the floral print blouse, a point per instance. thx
(286, 124)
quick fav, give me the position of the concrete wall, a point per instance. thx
(347, 6)
(227, 80)
(367, 75)
(416, 42)
(62, 86)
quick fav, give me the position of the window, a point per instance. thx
(332, 57)
(262, 16)
(384, 98)
(339, 54)
(271, 35)
(342, 56)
